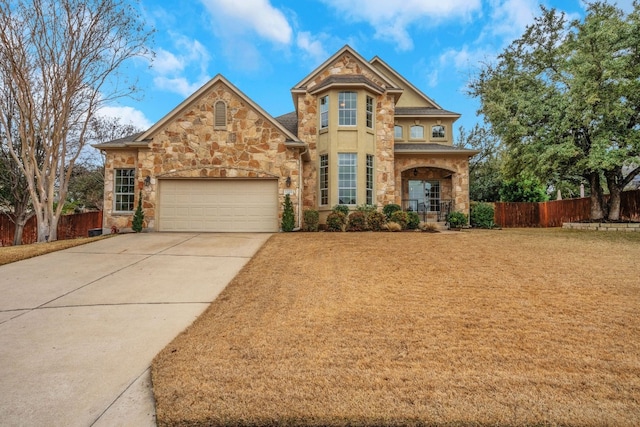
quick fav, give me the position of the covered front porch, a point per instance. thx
(429, 192)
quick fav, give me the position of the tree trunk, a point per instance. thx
(20, 222)
(614, 182)
(597, 205)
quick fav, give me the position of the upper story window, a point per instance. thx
(417, 132)
(437, 131)
(347, 108)
(397, 132)
(125, 192)
(324, 112)
(369, 112)
(220, 115)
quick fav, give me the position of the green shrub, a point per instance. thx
(400, 217)
(413, 220)
(356, 221)
(457, 219)
(375, 221)
(311, 220)
(288, 220)
(336, 221)
(138, 216)
(482, 215)
(341, 208)
(389, 209)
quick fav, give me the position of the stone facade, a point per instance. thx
(457, 184)
(189, 143)
(191, 147)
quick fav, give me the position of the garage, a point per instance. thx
(218, 205)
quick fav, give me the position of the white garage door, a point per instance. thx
(218, 205)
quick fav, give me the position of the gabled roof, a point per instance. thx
(141, 139)
(424, 112)
(407, 83)
(289, 121)
(346, 49)
(346, 81)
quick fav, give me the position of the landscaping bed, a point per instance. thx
(511, 327)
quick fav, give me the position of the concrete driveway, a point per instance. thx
(80, 327)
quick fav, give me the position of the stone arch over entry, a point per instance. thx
(452, 173)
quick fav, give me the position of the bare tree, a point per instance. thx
(61, 61)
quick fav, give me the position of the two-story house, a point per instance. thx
(360, 134)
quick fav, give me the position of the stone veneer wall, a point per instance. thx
(456, 164)
(189, 147)
(308, 132)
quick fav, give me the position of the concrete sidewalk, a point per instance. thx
(80, 327)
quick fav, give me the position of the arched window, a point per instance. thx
(397, 132)
(417, 132)
(437, 131)
(220, 115)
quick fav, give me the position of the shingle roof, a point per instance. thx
(423, 111)
(121, 142)
(346, 80)
(289, 121)
(413, 147)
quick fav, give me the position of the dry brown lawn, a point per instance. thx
(17, 253)
(511, 327)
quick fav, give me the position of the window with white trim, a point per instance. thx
(125, 191)
(437, 131)
(324, 112)
(369, 112)
(417, 132)
(369, 179)
(397, 132)
(347, 108)
(347, 178)
(220, 115)
(324, 179)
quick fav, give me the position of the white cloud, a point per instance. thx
(127, 115)
(257, 16)
(509, 18)
(311, 46)
(392, 21)
(174, 70)
(166, 62)
(179, 85)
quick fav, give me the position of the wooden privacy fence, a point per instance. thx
(69, 227)
(554, 213)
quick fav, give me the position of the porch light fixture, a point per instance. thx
(415, 171)
(147, 181)
(288, 181)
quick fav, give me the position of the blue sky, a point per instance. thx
(265, 47)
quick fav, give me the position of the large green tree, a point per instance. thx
(565, 100)
(485, 175)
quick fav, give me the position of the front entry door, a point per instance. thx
(424, 195)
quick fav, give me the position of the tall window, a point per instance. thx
(125, 189)
(347, 178)
(397, 132)
(369, 112)
(324, 112)
(417, 132)
(220, 115)
(324, 179)
(437, 131)
(369, 179)
(347, 108)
